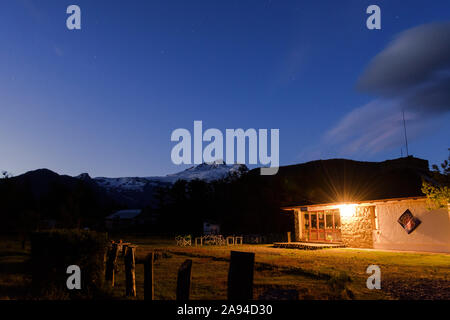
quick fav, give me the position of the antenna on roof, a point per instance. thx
(406, 137)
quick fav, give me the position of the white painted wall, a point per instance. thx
(432, 235)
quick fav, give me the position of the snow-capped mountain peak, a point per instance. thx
(206, 171)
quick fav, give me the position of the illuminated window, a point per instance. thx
(314, 221)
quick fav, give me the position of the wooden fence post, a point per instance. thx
(148, 277)
(289, 236)
(240, 276)
(111, 264)
(184, 280)
(130, 268)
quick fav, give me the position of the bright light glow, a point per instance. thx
(347, 210)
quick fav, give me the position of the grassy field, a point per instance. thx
(279, 273)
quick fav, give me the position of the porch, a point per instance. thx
(307, 245)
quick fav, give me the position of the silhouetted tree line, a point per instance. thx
(247, 205)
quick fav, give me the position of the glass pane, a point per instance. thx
(329, 220)
(321, 220)
(313, 221)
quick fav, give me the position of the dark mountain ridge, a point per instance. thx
(342, 180)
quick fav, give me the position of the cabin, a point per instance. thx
(406, 224)
(359, 204)
(123, 219)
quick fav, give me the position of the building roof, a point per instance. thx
(291, 207)
(125, 214)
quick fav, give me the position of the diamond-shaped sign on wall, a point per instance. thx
(408, 221)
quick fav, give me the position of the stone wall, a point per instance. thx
(297, 225)
(357, 230)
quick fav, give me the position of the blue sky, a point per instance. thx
(105, 99)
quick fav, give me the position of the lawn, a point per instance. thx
(320, 274)
(279, 273)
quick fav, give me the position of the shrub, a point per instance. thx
(53, 251)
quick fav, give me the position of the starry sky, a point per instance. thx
(105, 99)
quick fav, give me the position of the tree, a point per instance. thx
(437, 189)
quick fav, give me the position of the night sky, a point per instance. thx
(105, 99)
